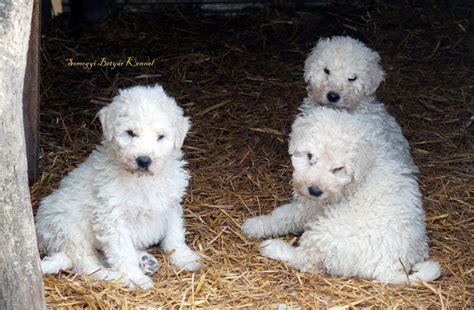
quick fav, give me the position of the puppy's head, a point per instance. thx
(143, 126)
(330, 152)
(342, 71)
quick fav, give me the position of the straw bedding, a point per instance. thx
(240, 79)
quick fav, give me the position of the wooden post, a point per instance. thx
(21, 283)
(31, 96)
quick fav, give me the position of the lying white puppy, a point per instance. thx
(360, 210)
(125, 197)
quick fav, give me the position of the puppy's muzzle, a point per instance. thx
(315, 191)
(333, 97)
(143, 162)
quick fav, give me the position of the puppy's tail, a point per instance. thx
(55, 262)
(426, 271)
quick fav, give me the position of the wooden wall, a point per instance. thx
(31, 98)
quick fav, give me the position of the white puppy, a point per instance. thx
(343, 73)
(360, 210)
(125, 197)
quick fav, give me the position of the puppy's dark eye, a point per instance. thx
(352, 79)
(131, 133)
(337, 169)
(327, 71)
(160, 137)
(310, 156)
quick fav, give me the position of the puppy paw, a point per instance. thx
(186, 259)
(142, 281)
(55, 262)
(277, 249)
(148, 264)
(253, 227)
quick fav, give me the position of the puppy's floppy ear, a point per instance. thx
(309, 64)
(109, 116)
(104, 118)
(376, 73)
(292, 146)
(311, 60)
(182, 126)
(300, 126)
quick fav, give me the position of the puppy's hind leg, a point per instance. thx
(424, 271)
(88, 261)
(55, 262)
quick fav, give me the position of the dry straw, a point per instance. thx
(240, 79)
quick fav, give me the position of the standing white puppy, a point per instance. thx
(359, 208)
(125, 197)
(343, 73)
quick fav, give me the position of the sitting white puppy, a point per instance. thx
(125, 197)
(360, 210)
(343, 73)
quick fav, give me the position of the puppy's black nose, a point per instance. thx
(333, 96)
(315, 191)
(143, 162)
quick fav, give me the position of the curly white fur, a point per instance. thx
(350, 71)
(343, 65)
(359, 208)
(111, 208)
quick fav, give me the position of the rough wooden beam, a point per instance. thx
(21, 284)
(31, 96)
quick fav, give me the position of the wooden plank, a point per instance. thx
(31, 100)
(21, 283)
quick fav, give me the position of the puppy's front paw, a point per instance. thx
(253, 227)
(186, 259)
(148, 264)
(277, 249)
(142, 281)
